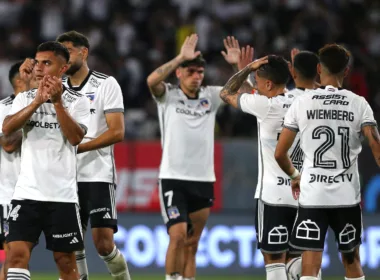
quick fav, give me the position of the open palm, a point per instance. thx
(188, 48)
(232, 56)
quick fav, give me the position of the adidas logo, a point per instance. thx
(107, 216)
(75, 240)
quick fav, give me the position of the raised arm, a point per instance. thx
(230, 92)
(372, 134)
(21, 115)
(156, 79)
(238, 59)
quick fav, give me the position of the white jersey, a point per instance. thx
(48, 160)
(9, 162)
(330, 121)
(273, 184)
(105, 97)
(187, 133)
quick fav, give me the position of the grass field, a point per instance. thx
(162, 277)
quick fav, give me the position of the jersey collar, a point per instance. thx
(79, 88)
(324, 87)
(188, 97)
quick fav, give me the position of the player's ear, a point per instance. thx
(319, 68)
(269, 85)
(64, 69)
(178, 72)
(84, 53)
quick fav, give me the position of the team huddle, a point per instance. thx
(57, 164)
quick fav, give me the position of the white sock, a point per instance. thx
(18, 274)
(173, 277)
(192, 278)
(276, 271)
(294, 268)
(360, 278)
(82, 264)
(117, 265)
(308, 278)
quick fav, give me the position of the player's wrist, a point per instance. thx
(295, 174)
(58, 104)
(179, 59)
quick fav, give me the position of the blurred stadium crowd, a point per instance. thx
(130, 38)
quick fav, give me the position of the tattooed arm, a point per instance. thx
(372, 134)
(156, 79)
(230, 92)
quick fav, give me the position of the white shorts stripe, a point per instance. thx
(79, 221)
(260, 215)
(112, 199)
(162, 204)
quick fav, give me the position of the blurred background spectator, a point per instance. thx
(129, 38)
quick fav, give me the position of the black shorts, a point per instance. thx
(311, 225)
(97, 201)
(4, 211)
(59, 221)
(179, 198)
(273, 227)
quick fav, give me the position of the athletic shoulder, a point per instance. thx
(7, 101)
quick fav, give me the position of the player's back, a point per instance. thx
(273, 186)
(329, 121)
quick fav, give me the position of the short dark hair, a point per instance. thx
(55, 47)
(78, 39)
(198, 61)
(305, 63)
(334, 57)
(276, 70)
(15, 68)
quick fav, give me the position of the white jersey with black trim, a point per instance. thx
(330, 121)
(9, 162)
(48, 160)
(273, 185)
(187, 133)
(105, 97)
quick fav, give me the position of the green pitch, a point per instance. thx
(162, 277)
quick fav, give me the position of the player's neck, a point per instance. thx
(188, 93)
(332, 81)
(276, 92)
(305, 84)
(79, 76)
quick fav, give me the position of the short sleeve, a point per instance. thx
(291, 117)
(113, 97)
(214, 91)
(3, 113)
(81, 112)
(367, 115)
(19, 103)
(164, 97)
(254, 104)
